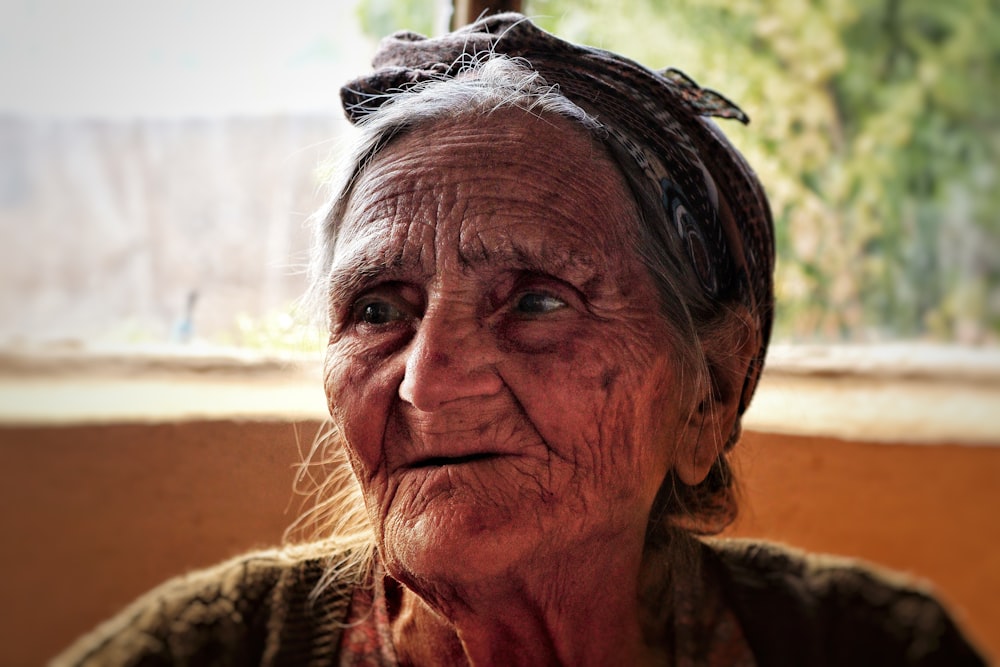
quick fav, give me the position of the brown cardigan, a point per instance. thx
(795, 609)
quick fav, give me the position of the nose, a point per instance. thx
(447, 360)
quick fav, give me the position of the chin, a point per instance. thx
(458, 542)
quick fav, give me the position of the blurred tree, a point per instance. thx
(382, 17)
(877, 135)
(875, 130)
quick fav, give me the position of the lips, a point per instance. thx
(438, 461)
(473, 435)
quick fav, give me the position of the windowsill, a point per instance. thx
(157, 384)
(900, 392)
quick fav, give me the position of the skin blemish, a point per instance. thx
(593, 283)
(609, 376)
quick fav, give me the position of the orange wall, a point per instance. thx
(930, 510)
(94, 515)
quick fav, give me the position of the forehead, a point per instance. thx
(490, 188)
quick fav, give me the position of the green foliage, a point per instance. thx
(874, 128)
(876, 133)
(383, 17)
(278, 331)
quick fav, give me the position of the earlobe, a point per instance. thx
(728, 352)
(701, 448)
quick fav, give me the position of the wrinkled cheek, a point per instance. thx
(570, 419)
(337, 383)
(358, 409)
(595, 423)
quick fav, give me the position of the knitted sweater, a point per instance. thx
(795, 609)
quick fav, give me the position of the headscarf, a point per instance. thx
(715, 202)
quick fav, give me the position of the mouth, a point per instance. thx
(439, 461)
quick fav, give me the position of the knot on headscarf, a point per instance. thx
(711, 197)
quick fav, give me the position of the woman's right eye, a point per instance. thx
(379, 312)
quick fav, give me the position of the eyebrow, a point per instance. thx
(356, 275)
(347, 280)
(559, 261)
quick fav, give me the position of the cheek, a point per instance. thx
(607, 406)
(359, 396)
(572, 395)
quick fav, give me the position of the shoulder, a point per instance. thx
(242, 611)
(800, 608)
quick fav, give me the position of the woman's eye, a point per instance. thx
(379, 312)
(539, 304)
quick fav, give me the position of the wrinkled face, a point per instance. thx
(498, 364)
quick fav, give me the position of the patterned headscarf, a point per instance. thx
(715, 202)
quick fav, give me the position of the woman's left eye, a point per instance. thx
(533, 303)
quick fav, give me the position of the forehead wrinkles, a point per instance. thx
(472, 191)
(392, 220)
(506, 246)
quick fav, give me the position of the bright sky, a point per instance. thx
(122, 58)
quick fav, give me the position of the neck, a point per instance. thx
(611, 610)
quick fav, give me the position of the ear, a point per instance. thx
(729, 350)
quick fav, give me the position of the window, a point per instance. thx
(873, 128)
(159, 162)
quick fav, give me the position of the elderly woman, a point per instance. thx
(548, 284)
